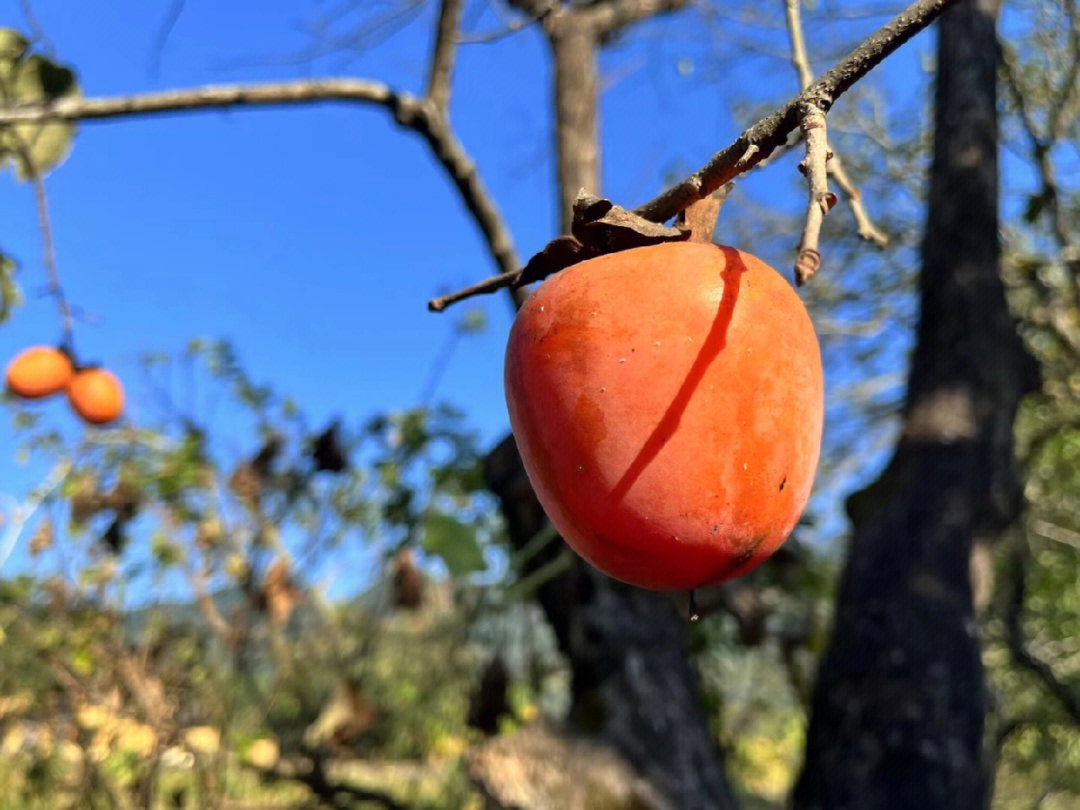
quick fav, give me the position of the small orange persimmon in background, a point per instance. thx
(96, 395)
(39, 371)
(667, 402)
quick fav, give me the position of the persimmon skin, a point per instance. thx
(39, 371)
(96, 395)
(667, 403)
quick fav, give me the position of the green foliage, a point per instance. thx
(28, 79)
(452, 541)
(10, 294)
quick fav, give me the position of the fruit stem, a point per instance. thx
(693, 614)
(48, 255)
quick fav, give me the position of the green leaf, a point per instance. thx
(30, 79)
(454, 543)
(473, 322)
(10, 294)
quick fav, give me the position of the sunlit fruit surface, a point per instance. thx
(667, 402)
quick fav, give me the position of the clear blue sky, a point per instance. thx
(312, 237)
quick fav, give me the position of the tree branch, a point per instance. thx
(312, 773)
(815, 167)
(608, 18)
(771, 132)
(442, 55)
(749, 149)
(306, 91)
(758, 143)
(1040, 148)
(801, 61)
(419, 115)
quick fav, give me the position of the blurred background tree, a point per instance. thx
(168, 644)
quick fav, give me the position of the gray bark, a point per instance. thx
(897, 714)
(577, 134)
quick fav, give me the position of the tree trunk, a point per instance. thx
(633, 686)
(897, 714)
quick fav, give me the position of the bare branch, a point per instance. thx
(442, 55)
(1040, 148)
(769, 133)
(35, 27)
(209, 97)
(512, 27)
(812, 123)
(865, 227)
(48, 251)
(609, 17)
(801, 61)
(749, 149)
(758, 143)
(1060, 104)
(799, 57)
(488, 285)
(172, 16)
(419, 115)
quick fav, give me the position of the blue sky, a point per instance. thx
(312, 237)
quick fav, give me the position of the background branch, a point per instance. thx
(608, 18)
(48, 252)
(442, 56)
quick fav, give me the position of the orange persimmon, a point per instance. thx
(667, 402)
(96, 395)
(39, 371)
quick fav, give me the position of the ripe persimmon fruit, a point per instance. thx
(96, 395)
(39, 371)
(667, 402)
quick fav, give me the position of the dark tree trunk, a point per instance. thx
(897, 715)
(633, 686)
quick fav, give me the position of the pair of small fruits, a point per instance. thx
(94, 393)
(667, 402)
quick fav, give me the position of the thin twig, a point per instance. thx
(814, 165)
(494, 35)
(865, 227)
(1040, 147)
(48, 251)
(610, 17)
(172, 16)
(488, 285)
(35, 27)
(209, 97)
(1060, 105)
(770, 132)
(442, 55)
(799, 57)
(801, 61)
